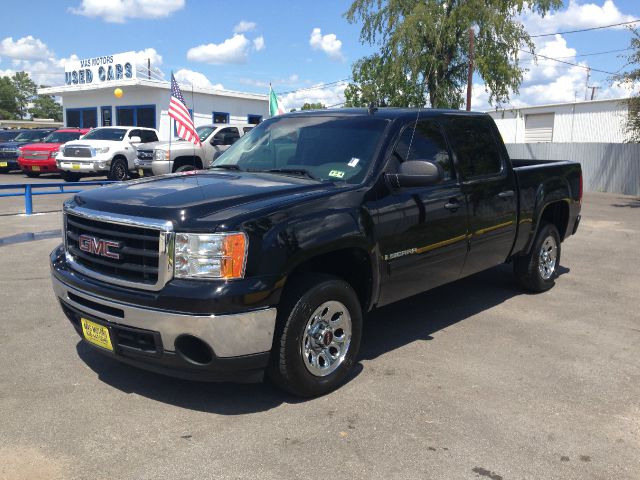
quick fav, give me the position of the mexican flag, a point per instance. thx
(275, 107)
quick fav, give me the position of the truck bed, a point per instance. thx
(544, 181)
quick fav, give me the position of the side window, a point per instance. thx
(472, 139)
(148, 136)
(228, 135)
(426, 143)
(246, 129)
(134, 133)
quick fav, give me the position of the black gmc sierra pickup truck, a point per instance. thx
(269, 260)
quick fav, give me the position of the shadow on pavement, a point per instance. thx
(386, 329)
(629, 203)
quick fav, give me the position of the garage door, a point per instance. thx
(538, 128)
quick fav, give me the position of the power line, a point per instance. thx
(565, 62)
(596, 53)
(584, 29)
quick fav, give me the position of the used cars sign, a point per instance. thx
(101, 69)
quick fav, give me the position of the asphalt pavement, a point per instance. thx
(473, 380)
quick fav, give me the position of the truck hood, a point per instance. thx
(188, 198)
(92, 143)
(12, 144)
(181, 145)
(41, 147)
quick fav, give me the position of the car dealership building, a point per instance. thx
(89, 99)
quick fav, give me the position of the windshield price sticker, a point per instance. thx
(353, 162)
(336, 173)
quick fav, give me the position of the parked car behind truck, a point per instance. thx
(180, 156)
(106, 150)
(38, 158)
(9, 151)
(269, 260)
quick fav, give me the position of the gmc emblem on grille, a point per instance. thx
(99, 246)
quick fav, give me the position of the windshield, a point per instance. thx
(7, 136)
(62, 137)
(328, 148)
(204, 132)
(29, 136)
(113, 134)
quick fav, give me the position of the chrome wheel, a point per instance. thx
(547, 258)
(326, 338)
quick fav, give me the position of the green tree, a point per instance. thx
(8, 105)
(424, 49)
(45, 106)
(25, 92)
(631, 78)
(313, 106)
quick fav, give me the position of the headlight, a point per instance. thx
(219, 255)
(102, 150)
(161, 154)
(55, 153)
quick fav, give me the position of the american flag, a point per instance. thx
(180, 113)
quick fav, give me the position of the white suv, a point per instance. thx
(110, 150)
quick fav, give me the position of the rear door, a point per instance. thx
(422, 231)
(489, 186)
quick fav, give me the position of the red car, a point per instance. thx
(37, 158)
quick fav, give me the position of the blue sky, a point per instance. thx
(295, 45)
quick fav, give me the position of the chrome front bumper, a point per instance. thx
(230, 335)
(162, 167)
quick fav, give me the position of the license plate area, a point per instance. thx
(96, 334)
(35, 168)
(75, 166)
(4, 164)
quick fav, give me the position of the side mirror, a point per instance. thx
(416, 173)
(135, 139)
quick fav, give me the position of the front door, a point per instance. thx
(422, 231)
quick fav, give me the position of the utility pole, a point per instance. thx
(593, 92)
(470, 71)
(586, 87)
(149, 68)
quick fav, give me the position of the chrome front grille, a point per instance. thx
(79, 152)
(139, 253)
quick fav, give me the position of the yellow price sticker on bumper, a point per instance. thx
(4, 164)
(75, 166)
(96, 334)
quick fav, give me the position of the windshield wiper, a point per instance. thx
(292, 171)
(227, 166)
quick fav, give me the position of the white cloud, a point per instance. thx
(119, 11)
(576, 16)
(196, 79)
(233, 50)
(328, 43)
(258, 43)
(244, 27)
(25, 48)
(327, 96)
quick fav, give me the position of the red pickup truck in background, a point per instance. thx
(37, 158)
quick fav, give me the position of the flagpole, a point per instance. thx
(170, 132)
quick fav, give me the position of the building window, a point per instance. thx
(254, 119)
(82, 117)
(220, 117)
(105, 116)
(136, 116)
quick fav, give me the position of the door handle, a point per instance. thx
(506, 194)
(452, 205)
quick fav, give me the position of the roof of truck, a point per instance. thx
(390, 113)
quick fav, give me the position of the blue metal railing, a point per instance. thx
(28, 193)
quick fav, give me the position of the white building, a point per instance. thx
(88, 98)
(595, 121)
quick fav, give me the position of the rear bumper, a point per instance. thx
(239, 343)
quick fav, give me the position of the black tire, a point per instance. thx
(119, 170)
(527, 269)
(32, 174)
(70, 176)
(185, 168)
(287, 367)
